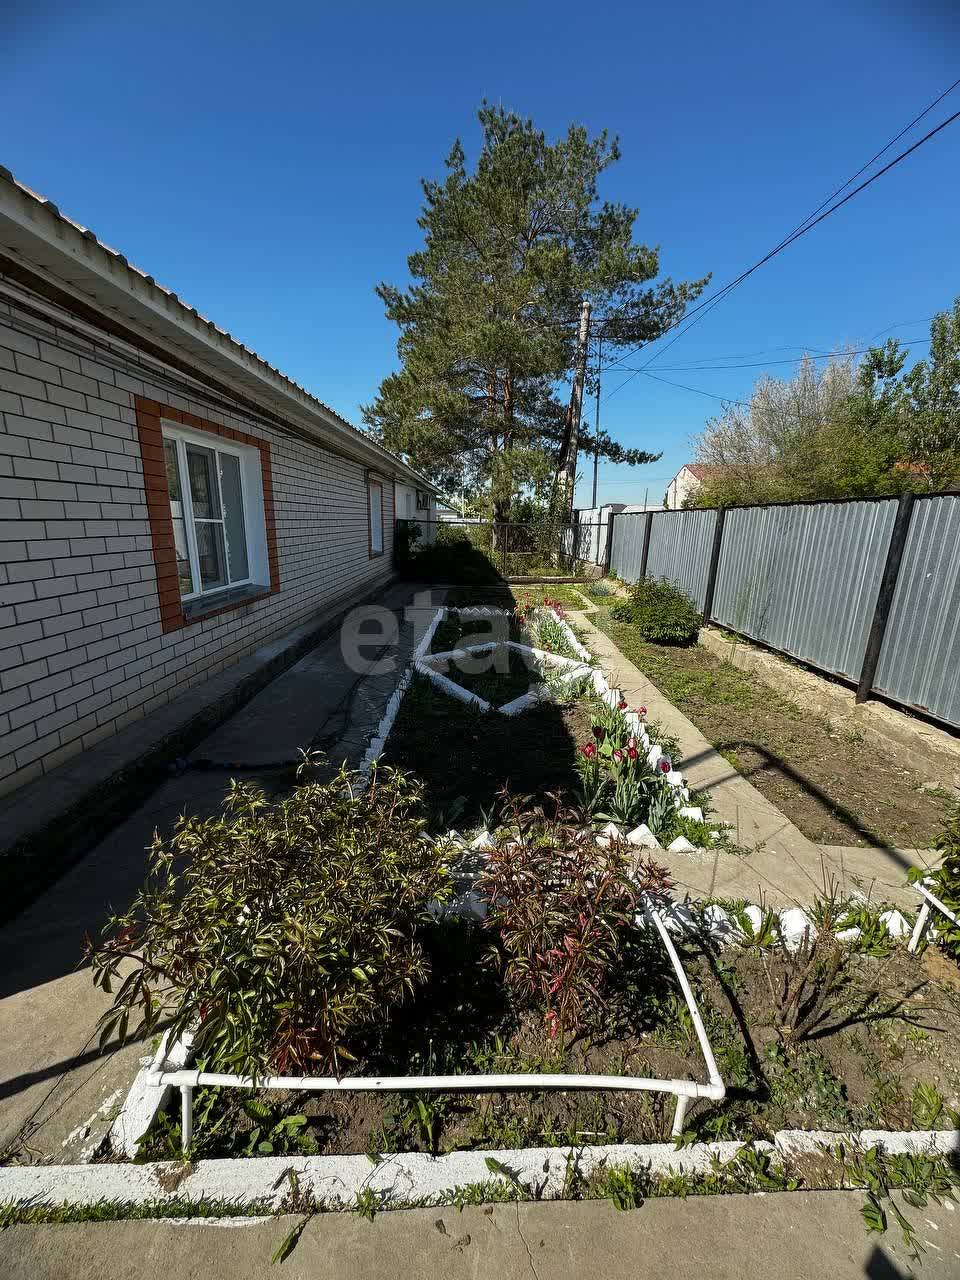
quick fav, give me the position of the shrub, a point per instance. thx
(455, 559)
(661, 612)
(561, 907)
(944, 882)
(277, 932)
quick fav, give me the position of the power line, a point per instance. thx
(703, 308)
(805, 348)
(763, 364)
(680, 385)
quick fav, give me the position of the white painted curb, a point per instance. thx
(403, 1180)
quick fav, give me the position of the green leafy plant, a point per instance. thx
(617, 781)
(944, 882)
(560, 907)
(622, 1186)
(759, 936)
(276, 1136)
(367, 1203)
(276, 932)
(661, 612)
(919, 1177)
(929, 1109)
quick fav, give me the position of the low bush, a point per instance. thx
(278, 931)
(561, 907)
(661, 612)
(453, 560)
(944, 882)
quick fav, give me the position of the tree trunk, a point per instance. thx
(566, 477)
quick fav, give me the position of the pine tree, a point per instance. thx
(488, 326)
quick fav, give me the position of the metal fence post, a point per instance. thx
(608, 549)
(645, 553)
(714, 565)
(888, 583)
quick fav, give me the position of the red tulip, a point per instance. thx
(618, 755)
(599, 732)
(641, 711)
(622, 704)
(589, 749)
(665, 764)
(632, 753)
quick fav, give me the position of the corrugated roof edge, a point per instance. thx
(267, 370)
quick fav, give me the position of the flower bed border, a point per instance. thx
(151, 1089)
(406, 1180)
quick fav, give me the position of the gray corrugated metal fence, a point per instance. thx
(680, 543)
(804, 579)
(627, 545)
(920, 658)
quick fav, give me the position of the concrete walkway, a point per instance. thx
(58, 1091)
(791, 1236)
(784, 866)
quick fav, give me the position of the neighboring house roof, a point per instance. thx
(35, 234)
(700, 471)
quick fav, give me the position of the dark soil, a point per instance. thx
(836, 788)
(465, 758)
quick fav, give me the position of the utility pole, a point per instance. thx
(596, 428)
(576, 407)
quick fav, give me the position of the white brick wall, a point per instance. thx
(82, 652)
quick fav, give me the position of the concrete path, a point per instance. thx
(791, 1236)
(58, 1092)
(784, 866)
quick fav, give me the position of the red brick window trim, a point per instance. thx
(150, 413)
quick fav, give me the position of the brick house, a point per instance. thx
(169, 502)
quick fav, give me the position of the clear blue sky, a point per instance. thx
(263, 161)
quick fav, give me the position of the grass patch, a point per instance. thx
(836, 790)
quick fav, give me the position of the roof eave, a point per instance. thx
(34, 232)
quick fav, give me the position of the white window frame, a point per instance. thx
(251, 495)
(374, 482)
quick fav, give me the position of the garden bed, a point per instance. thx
(836, 788)
(886, 1056)
(344, 936)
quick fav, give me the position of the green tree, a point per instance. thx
(488, 324)
(843, 430)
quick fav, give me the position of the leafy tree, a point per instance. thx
(488, 324)
(844, 430)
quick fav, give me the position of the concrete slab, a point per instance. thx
(797, 1236)
(324, 698)
(53, 1079)
(784, 866)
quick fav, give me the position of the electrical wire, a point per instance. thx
(680, 385)
(764, 364)
(704, 308)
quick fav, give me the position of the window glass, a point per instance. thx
(232, 493)
(376, 518)
(204, 491)
(211, 555)
(184, 574)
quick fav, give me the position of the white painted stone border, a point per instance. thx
(402, 1180)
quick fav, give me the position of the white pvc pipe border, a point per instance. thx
(186, 1081)
(923, 916)
(684, 1090)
